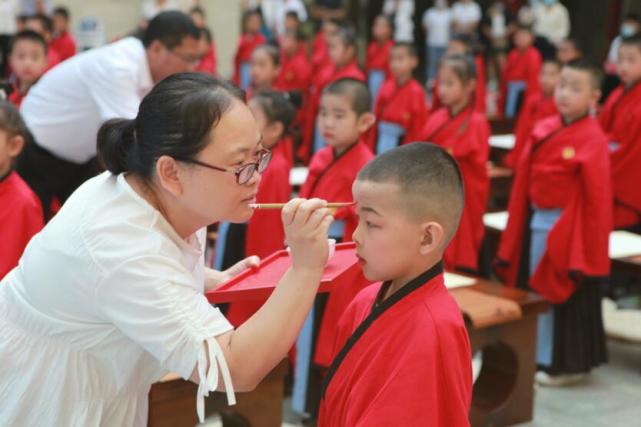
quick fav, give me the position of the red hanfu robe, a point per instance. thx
(466, 137)
(520, 66)
(64, 45)
(567, 167)
(246, 45)
(405, 361)
(265, 232)
(296, 75)
(320, 51)
(209, 62)
(536, 108)
(480, 94)
(621, 121)
(20, 218)
(325, 76)
(378, 56)
(404, 106)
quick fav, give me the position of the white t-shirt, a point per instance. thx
(466, 13)
(150, 8)
(439, 24)
(105, 301)
(274, 12)
(67, 106)
(552, 22)
(403, 12)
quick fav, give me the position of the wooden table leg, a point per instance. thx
(504, 391)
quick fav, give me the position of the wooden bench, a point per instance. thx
(172, 403)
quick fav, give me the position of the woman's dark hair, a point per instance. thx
(174, 120)
(276, 107)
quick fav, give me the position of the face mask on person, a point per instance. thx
(549, 2)
(627, 30)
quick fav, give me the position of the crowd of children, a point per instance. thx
(419, 207)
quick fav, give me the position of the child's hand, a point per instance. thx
(306, 224)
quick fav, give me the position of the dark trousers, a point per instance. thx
(50, 176)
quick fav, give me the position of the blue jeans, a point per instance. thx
(389, 136)
(514, 91)
(375, 79)
(434, 54)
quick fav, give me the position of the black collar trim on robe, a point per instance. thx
(377, 311)
(336, 159)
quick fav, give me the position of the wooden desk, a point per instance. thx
(503, 393)
(172, 403)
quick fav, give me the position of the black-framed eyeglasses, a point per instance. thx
(243, 173)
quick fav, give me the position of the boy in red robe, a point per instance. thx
(62, 41)
(536, 108)
(20, 211)
(249, 40)
(378, 54)
(209, 60)
(342, 52)
(621, 121)
(295, 72)
(520, 77)
(400, 109)
(264, 69)
(464, 45)
(560, 217)
(403, 355)
(28, 60)
(343, 119)
(265, 234)
(464, 133)
(42, 24)
(320, 45)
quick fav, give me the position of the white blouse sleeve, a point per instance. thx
(156, 303)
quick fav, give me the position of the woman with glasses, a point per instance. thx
(108, 298)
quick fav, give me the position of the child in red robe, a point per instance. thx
(463, 132)
(560, 217)
(28, 60)
(249, 40)
(378, 54)
(43, 25)
(401, 108)
(342, 51)
(537, 107)
(621, 121)
(343, 119)
(20, 211)
(209, 59)
(320, 45)
(265, 233)
(62, 41)
(520, 77)
(403, 355)
(464, 45)
(295, 72)
(264, 69)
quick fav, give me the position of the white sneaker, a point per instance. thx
(547, 380)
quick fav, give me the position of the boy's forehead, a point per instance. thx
(575, 75)
(337, 100)
(376, 195)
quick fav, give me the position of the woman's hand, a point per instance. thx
(306, 225)
(215, 278)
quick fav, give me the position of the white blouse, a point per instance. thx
(105, 301)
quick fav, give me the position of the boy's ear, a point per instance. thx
(596, 95)
(16, 144)
(365, 121)
(433, 238)
(276, 129)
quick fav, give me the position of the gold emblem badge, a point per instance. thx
(568, 153)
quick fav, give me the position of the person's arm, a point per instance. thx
(214, 278)
(253, 349)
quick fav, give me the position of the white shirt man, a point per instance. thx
(552, 21)
(466, 15)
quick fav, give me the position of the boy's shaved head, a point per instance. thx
(429, 181)
(594, 70)
(356, 90)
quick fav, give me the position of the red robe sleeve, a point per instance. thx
(378, 56)
(21, 218)
(481, 92)
(246, 46)
(64, 45)
(524, 66)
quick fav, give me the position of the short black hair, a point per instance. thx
(298, 34)
(276, 107)
(574, 42)
(292, 14)
(410, 47)
(634, 40)
(206, 34)
(62, 11)
(11, 121)
(271, 50)
(593, 68)
(46, 22)
(553, 61)
(29, 35)
(170, 28)
(348, 37)
(198, 10)
(463, 66)
(632, 17)
(429, 179)
(356, 90)
(525, 27)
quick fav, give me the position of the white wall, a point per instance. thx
(121, 16)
